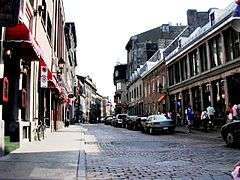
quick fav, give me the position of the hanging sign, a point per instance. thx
(44, 77)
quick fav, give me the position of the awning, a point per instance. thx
(21, 35)
(52, 81)
(162, 97)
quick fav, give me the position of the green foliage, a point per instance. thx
(10, 146)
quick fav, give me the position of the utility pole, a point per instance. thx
(2, 133)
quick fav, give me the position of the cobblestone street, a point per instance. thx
(116, 153)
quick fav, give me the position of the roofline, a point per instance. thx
(153, 68)
(187, 48)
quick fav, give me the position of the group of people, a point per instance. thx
(233, 112)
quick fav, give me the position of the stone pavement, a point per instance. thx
(117, 153)
(57, 157)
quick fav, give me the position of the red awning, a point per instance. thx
(161, 98)
(21, 34)
(52, 84)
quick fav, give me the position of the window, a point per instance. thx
(216, 55)
(153, 87)
(49, 27)
(140, 90)
(203, 57)
(212, 18)
(119, 86)
(194, 65)
(116, 73)
(44, 13)
(231, 41)
(163, 83)
(171, 75)
(177, 72)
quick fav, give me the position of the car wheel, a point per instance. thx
(230, 140)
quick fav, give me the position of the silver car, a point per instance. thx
(158, 123)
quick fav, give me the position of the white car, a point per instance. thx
(158, 123)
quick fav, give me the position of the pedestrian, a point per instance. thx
(229, 113)
(190, 117)
(178, 117)
(211, 112)
(234, 112)
(236, 171)
(204, 119)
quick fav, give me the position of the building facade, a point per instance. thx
(205, 70)
(34, 61)
(120, 82)
(155, 93)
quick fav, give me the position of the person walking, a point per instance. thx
(235, 111)
(211, 112)
(190, 117)
(229, 114)
(204, 120)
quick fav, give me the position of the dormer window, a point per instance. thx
(165, 28)
(179, 43)
(212, 18)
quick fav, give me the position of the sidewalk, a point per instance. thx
(57, 157)
(215, 134)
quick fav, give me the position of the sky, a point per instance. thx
(104, 27)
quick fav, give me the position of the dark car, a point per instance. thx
(135, 122)
(131, 122)
(108, 119)
(120, 121)
(231, 133)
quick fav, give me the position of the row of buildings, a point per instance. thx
(172, 67)
(37, 68)
(38, 84)
(90, 105)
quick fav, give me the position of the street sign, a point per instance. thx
(9, 12)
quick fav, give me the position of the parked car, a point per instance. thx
(157, 123)
(108, 119)
(231, 133)
(120, 121)
(131, 121)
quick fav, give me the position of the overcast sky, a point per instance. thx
(105, 26)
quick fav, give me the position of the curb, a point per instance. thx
(81, 169)
(81, 166)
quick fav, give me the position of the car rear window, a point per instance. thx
(122, 116)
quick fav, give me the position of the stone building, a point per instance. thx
(120, 82)
(205, 70)
(140, 48)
